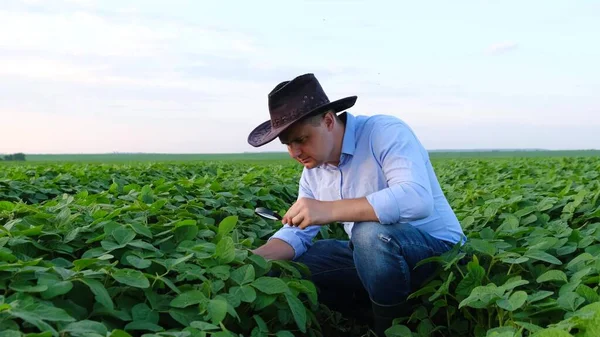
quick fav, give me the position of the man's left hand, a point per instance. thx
(308, 212)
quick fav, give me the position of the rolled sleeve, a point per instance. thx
(299, 239)
(404, 163)
(401, 203)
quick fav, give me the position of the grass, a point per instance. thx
(282, 157)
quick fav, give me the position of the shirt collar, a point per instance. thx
(349, 142)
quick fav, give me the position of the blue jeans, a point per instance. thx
(375, 268)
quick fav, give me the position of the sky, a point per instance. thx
(85, 76)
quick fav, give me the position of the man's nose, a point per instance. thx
(295, 150)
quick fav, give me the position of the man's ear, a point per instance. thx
(329, 120)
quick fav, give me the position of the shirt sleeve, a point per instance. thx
(403, 160)
(299, 239)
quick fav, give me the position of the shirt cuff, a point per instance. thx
(299, 239)
(401, 203)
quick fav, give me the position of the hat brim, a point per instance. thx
(264, 133)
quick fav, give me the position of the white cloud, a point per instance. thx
(64, 72)
(84, 33)
(49, 69)
(77, 33)
(502, 47)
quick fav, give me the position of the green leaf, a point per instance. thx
(471, 280)
(244, 293)
(284, 333)
(570, 301)
(142, 244)
(483, 246)
(188, 298)
(85, 328)
(7, 206)
(298, 311)
(123, 235)
(552, 332)
(533, 328)
(516, 301)
(244, 274)
(581, 258)
(56, 289)
(306, 287)
(512, 283)
(542, 256)
(270, 285)
(131, 277)
(37, 313)
(203, 326)
(141, 229)
(539, 295)
(12, 333)
(142, 312)
(263, 300)
(217, 309)
(28, 288)
(143, 326)
(482, 296)
(146, 195)
(6, 255)
(186, 230)
(221, 272)
(225, 251)
(119, 333)
(261, 325)
(138, 262)
(226, 226)
(260, 261)
(552, 275)
(398, 331)
(588, 293)
(101, 295)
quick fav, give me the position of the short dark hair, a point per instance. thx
(316, 119)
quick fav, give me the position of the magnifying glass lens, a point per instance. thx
(268, 216)
(267, 213)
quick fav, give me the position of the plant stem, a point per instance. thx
(500, 316)
(490, 268)
(447, 314)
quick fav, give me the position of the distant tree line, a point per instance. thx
(14, 157)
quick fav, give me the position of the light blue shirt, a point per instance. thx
(382, 160)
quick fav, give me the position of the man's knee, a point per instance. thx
(365, 234)
(373, 234)
(369, 234)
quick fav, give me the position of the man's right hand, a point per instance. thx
(275, 249)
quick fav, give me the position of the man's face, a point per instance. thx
(308, 144)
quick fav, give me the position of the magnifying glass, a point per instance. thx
(267, 213)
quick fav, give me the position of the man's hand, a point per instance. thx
(308, 212)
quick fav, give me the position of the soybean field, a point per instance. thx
(154, 248)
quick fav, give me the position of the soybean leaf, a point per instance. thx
(270, 285)
(131, 277)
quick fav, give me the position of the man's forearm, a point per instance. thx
(275, 249)
(352, 210)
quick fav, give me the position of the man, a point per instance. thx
(371, 174)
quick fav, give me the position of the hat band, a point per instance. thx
(292, 115)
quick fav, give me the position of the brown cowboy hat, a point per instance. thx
(291, 101)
